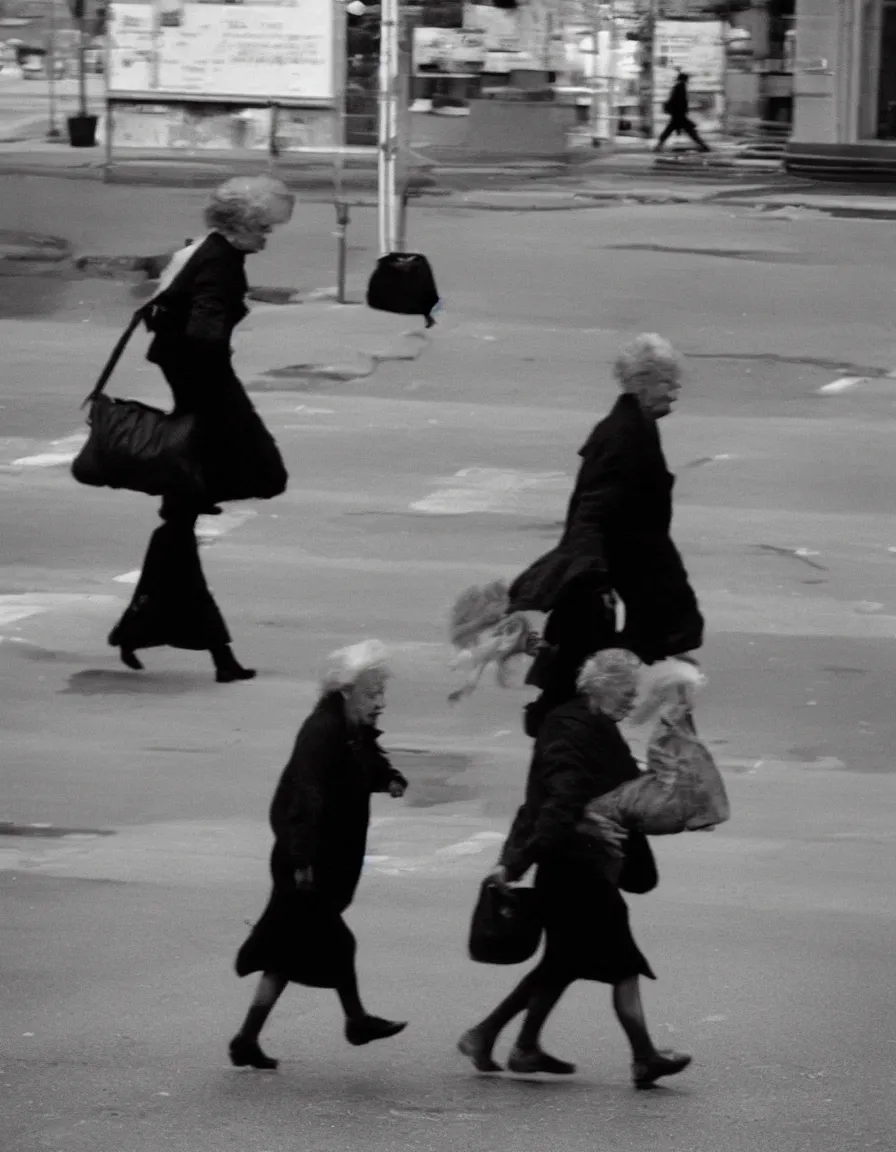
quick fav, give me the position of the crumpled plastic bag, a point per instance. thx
(681, 790)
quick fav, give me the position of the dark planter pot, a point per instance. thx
(82, 131)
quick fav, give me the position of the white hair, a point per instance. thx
(245, 202)
(645, 359)
(670, 682)
(345, 666)
(609, 669)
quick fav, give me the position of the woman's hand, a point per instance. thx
(397, 789)
(498, 877)
(608, 831)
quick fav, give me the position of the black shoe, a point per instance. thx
(645, 1073)
(227, 668)
(247, 1054)
(476, 1047)
(370, 1028)
(529, 1061)
(130, 660)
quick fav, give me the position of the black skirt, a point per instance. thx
(302, 935)
(172, 604)
(587, 932)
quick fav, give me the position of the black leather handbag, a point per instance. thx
(133, 445)
(403, 282)
(506, 926)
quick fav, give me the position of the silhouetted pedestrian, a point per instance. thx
(677, 108)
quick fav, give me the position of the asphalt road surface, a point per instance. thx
(772, 938)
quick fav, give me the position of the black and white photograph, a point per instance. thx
(447, 576)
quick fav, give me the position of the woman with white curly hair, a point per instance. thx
(616, 541)
(579, 754)
(199, 302)
(320, 815)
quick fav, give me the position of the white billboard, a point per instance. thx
(695, 47)
(275, 50)
(698, 48)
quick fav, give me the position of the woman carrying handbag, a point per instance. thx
(232, 456)
(579, 753)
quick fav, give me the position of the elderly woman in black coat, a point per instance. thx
(579, 754)
(320, 815)
(199, 302)
(616, 541)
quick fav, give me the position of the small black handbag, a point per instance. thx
(403, 282)
(506, 926)
(133, 445)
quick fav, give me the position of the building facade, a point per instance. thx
(845, 87)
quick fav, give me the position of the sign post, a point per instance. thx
(53, 132)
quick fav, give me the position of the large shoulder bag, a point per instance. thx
(133, 445)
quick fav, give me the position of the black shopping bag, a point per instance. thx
(403, 282)
(506, 926)
(133, 445)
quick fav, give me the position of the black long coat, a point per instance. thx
(678, 102)
(578, 755)
(617, 538)
(320, 815)
(192, 323)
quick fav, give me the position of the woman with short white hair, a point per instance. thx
(616, 541)
(320, 815)
(579, 754)
(199, 302)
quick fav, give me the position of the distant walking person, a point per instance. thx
(677, 108)
(200, 300)
(320, 814)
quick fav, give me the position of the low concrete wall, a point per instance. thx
(874, 163)
(496, 130)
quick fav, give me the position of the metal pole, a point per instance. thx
(53, 132)
(340, 121)
(382, 176)
(273, 138)
(394, 112)
(82, 66)
(647, 82)
(404, 146)
(342, 219)
(386, 216)
(611, 77)
(595, 71)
